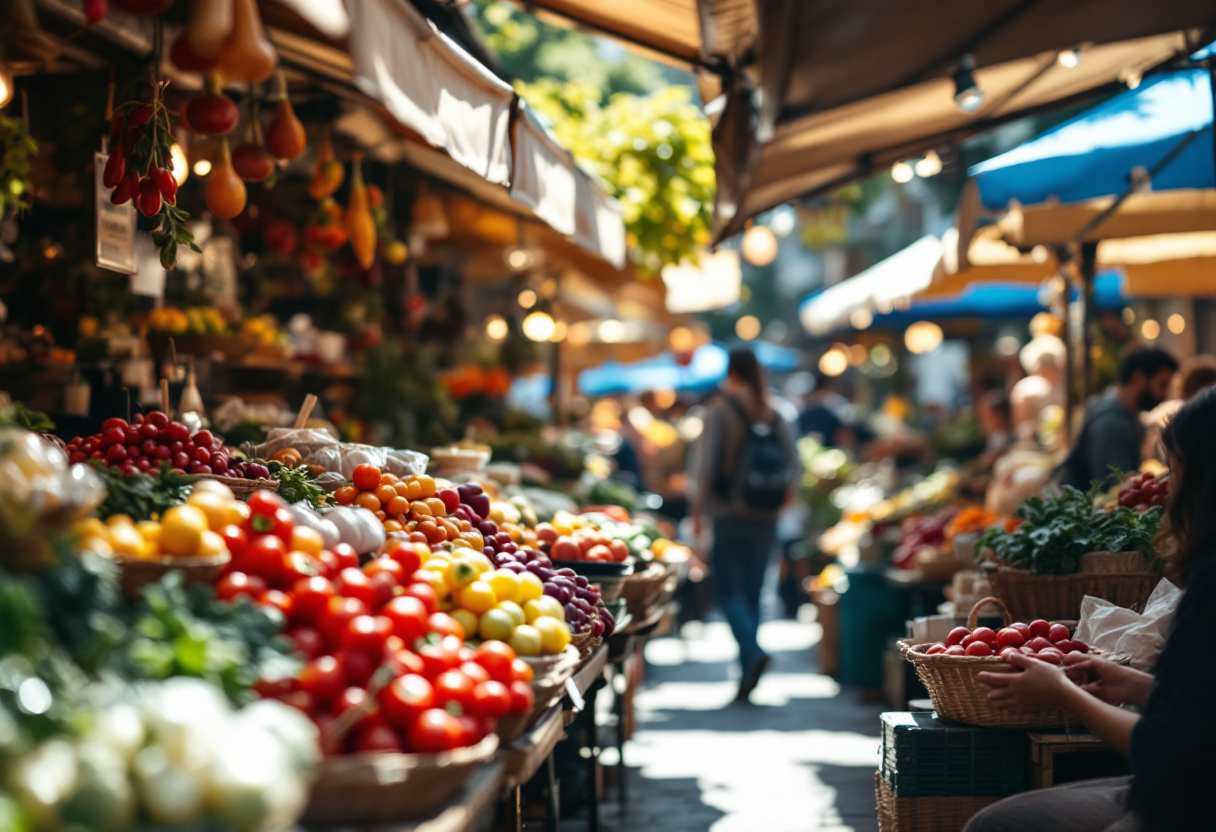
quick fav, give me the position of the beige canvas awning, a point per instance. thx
(1139, 215)
(865, 85)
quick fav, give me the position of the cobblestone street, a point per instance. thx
(800, 758)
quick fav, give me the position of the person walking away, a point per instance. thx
(1169, 742)
(745, 470)
(1044, 360)
(1112, 435)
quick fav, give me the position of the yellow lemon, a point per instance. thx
(526, 641)
(478, 597)
(127, 542)
(212, 505)
(554, 635)
(466, 619)
(119, 520)
(150, 531)
(514, 610)
(92, 527)
(530, 588)
(496, 625)
(236, 513)
(212, 544)
(181, 530)
(505, 584)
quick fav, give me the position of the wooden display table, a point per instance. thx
(471, 810)
(591, 670)
(524, 757)
(1046, 748)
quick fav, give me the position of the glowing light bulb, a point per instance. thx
(538, 326)
(902, 172)
(496, 328)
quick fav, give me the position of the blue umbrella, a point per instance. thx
(1166, 122)
(706, 368)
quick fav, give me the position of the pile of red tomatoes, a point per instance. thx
(1039, 639)
(372, 639)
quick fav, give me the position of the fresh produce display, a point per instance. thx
(605, 535)
(142, 496)
(1039, 639)
(147, 442)
(1056, 530)
(917, 532)
(415, 504)
(1144, 491)
(198, 528)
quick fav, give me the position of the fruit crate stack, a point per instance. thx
(935, 775)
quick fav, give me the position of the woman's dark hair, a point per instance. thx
(1196, 373)
(1190, 440)
(744, 366)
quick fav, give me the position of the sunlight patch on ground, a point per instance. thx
(711, 643)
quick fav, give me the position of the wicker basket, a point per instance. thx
(1113, 562)
(548, 687)
(642, 589)
(134, 575)
(241, 488)
(924, 814)
(1050, 597)
(387, 787)
(958, 695)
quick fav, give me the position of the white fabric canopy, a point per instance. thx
(599, 222)
(544, 174)
(431, 85)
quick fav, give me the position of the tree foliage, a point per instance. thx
(628, 122)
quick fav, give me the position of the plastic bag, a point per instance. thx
(318, 447)
(1126, 633)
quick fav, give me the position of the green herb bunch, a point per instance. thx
(1058, 529)
(140, 496)
(17, 152)
(296, 484)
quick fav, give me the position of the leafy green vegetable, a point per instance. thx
(296, 484)
(139, 496)
(19, 416)
(1058, 529)
(17, 152)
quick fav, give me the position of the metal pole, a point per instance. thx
(1089, 258)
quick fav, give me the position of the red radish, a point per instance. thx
(956, 636)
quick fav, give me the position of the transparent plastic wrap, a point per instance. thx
(318, 447)
(41, 495)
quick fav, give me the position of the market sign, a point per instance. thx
(115, 226)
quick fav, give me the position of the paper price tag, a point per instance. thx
(576, 698)
(115, 226)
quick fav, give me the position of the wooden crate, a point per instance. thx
(1067, 756)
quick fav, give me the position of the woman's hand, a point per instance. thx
(1110, 682)
(1037, 687)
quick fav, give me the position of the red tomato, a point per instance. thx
(472, 729)
(352, 583)
(358, 666)
(112, 423)
(329, 564)
(466, 654)
(1079, 646)
(435, 660)
(522, 697)
(599, 554)
(308, 640)
(521, 671)
(265, 502)
(366, 477)
(301, 700)
(367, 634)
(296, 566)
(409, 617)
(384, 564)
(1058, 632)
(424, 593)
(378, 738)
(337, 613)
(1051, 656)
(237, 584)
(274, 689)
(281, 601)
(445, 625)
(955, 650)
(454, 688)
(984, 634)
(406, 661)
(264, 557)
(1025, 650)
(1009, 637)
(619, 549)
(934, 649)
(1024, 629)
(1006, 652)
(1038, 644)
(1039, 627)
(311, 594)
(356, 697)
(496, 657)
(384, 588)
(435, 730)
(278, 522)
(323, 678)
(406, 554)
(956, 636)
(474, 671)
(347, 557)
(405, 699)
(491, 700)
(978, 648)
(236, 540)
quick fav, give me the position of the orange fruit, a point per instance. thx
(380, 515)
(436, 506)
(384, 493)
(402, 488)
(388, 479)
(366, 477)
(415, 490)
(368, 500)
(427, 484)
(392, 526)
(346, 495)
(420, 509)
(397, 505)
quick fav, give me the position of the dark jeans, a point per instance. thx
(739, 560)
(1087, 806)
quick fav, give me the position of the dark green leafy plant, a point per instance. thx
(19, 416)
(139, 496)
(296, 484)
(1058, 529)
(17, 152)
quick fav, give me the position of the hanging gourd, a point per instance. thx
(183, 56)
(360, 227)
(225, 191)
(285, 134)
(212, 113)
(247, 55)
(327, 174)
(210, 27)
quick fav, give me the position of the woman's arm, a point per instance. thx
(1040, 685)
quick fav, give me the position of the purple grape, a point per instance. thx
(565, 594)
(487, 528)
(503, 537)
(553, 590)
(533, 567)
(566, 572)
(585, 594)
(488, 551)
(583, 605)
(581, 581)
(597, 628)
(561, 580)
(517, 568)
(510, 548)
(572, 612)
(544, 573)
(528, 555)
(256, 471)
